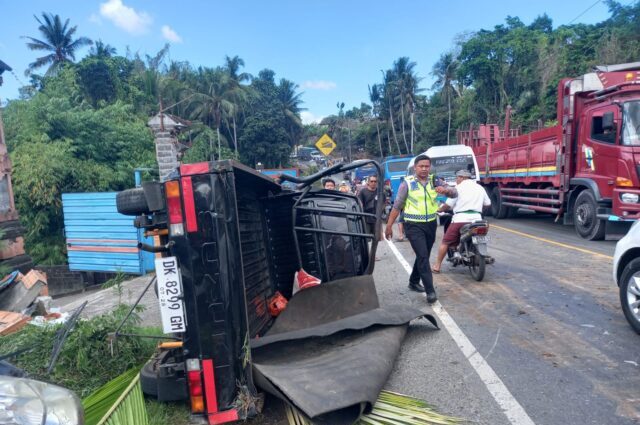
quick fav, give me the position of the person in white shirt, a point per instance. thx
(467, 200)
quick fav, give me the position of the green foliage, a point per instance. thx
(83, 127)
(98, 79)
(61, 144)
(121, 399)
(88, 360)
(162, 413)
(264, 137)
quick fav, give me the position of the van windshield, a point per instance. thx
(631, 124)
(398, 166)
(447, 166)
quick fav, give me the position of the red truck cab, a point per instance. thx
(585, 170)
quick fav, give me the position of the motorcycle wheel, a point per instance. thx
(478, 266)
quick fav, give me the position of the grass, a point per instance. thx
(167, 413)
(89, 357)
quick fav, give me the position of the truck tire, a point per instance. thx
(489, 211)
(585, 218)
(132, 202)
(497, 209)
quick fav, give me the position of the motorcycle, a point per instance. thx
(472, 249)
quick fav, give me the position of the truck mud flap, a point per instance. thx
(331, 351)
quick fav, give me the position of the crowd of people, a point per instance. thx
(416, 208)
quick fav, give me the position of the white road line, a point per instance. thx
(507, 402)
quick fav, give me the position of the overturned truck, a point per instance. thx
(234, 248)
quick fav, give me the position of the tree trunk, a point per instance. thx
(449, 123)
(393, 126)
(412, 130)
(219, 148)
(379, 140)
(404, 136)
(235, 136)
(389, 141)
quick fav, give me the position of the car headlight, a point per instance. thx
(629, 198)
(28, 402)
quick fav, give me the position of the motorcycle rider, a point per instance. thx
(467, 200)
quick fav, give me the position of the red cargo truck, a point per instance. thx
(585, 170)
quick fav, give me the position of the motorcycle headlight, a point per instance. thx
(28, 402)
(629, 198)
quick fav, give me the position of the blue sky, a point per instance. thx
(332, 49)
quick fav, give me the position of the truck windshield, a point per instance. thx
(447, 166)
(631, 123)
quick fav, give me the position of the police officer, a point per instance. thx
(417, 198)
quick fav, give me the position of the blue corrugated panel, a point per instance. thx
(98, 237)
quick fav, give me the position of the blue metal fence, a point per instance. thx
(101, 239)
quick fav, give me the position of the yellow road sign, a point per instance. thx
(325, 144)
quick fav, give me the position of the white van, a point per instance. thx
(446, 160)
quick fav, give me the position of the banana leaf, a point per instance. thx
(390, 409)
(118, 402)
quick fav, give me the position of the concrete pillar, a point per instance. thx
(166, 153)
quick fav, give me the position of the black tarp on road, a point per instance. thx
(331, 351)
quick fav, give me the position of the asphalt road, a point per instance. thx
(546, 320)
(541, 340)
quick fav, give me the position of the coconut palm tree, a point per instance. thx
(58, 42)
(102, 50)
(445, 71)
(375, 98)
(239, 92)
(211, 100)
(389, 85)
(406, 84)
(290, 102)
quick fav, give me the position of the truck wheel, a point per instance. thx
(497, 209)
(489, 211)
(630, 293)
(587, 224)
(132, 202)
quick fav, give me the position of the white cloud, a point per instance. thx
(169, 34)
(309, 118)
(95, 19)
(319, 85)
(126, 17)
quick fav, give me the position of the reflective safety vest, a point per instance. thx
(421, 203)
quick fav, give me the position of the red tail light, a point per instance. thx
(480, 230)
(194, 379)
(174, 207)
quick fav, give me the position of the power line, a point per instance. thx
(585, 11)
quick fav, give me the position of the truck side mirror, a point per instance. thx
(607, 122)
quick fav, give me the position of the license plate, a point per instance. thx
(170, 295)
(481, 239)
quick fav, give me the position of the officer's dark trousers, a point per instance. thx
(421, 236)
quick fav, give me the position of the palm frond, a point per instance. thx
(36, 44)
(42, 61)
(118, 402)
(390, 409)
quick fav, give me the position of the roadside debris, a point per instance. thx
(24, 298)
